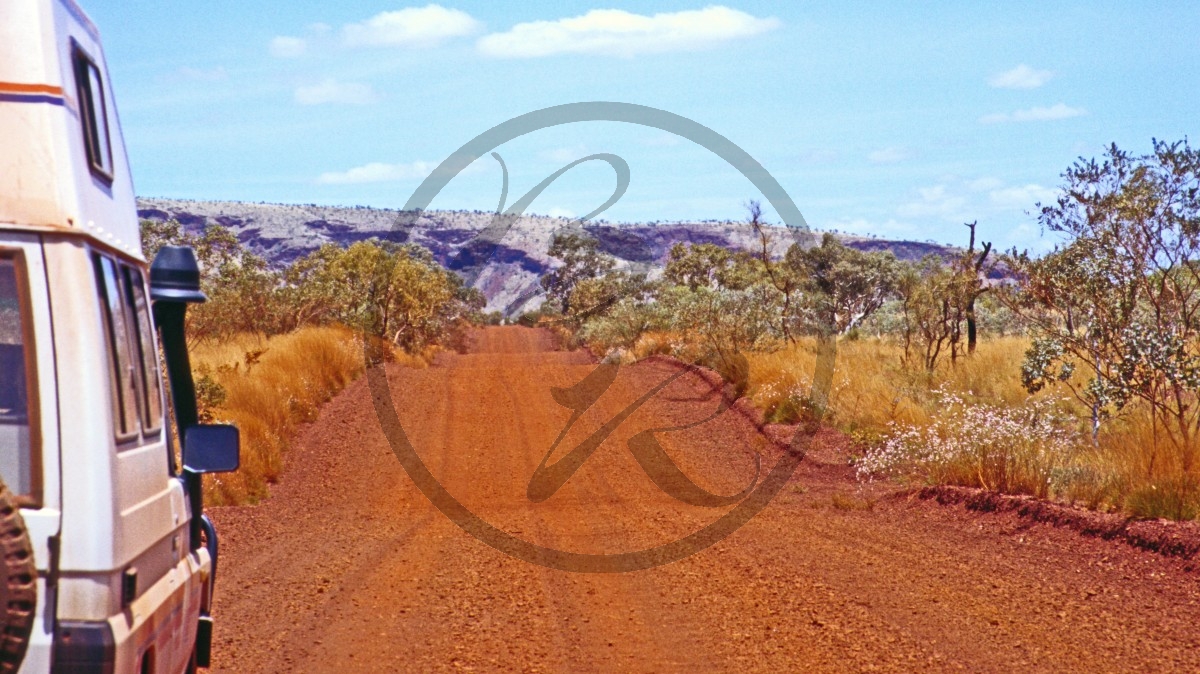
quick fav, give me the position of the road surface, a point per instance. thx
(349, 568)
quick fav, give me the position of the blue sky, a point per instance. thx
(898, 120)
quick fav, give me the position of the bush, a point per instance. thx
(1008, 449)
(1177, 499)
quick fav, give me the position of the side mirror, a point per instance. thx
(211, 448)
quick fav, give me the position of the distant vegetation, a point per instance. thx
(1086, 382)
(394, 292)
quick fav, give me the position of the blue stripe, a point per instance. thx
(30, 98)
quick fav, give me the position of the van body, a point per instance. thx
(88, 446)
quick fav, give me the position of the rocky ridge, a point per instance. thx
(508, 272)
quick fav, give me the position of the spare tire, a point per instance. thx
(18, 584)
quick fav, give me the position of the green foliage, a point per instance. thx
(1116, 308)
(933, 298)
(210, 395)
(841, 286)
(395, 292)
(240, 286)
(388, 291)
(581, 259)
(706, 265)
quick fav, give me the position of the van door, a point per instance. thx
(29, 431)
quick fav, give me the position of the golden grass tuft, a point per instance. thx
(1134, 467)
(271, 386)
(872, 388)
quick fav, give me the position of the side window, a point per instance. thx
(118, 324)
(18, 400)
(147, 355)
(93, 114)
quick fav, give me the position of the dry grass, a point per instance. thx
(1134, 467)
(271, 386)
(872, 387)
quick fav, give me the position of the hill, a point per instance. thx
(282, 233)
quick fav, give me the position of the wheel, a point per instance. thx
(18, 584)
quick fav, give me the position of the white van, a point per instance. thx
(107, 562)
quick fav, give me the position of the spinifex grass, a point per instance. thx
(872, 387)
(880, 401)
(268, 386)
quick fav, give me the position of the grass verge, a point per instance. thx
(267, 387)
(973, 424)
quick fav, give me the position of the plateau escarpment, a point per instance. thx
(506, 271)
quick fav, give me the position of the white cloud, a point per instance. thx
(332, 91)
(217, 74)
(614, 32)
(818, 155)
(937, 201)
(1056, 111)
(663, 139)
(378, 172)
(957, 200)
(1021, 77)
(1022, 197)
(985, 184)
(560, 212)
(411, 27)
(287, 47)
(564, 155)
(889, 155)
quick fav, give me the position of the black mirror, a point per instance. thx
(211, 448)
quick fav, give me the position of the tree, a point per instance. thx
(1116, 308)
(841, 286)
(932, 300)
(781, 276)
(581, 259)
(242, 288)
(973, 265)
(707, 265)
(395, 292)
(616, 309)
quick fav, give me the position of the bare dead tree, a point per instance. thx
(973, 264)
(783, 280)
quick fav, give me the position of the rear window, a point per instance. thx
(147, 355)
(17, 433)
(136, 389)
(93, 114)
(124, 376)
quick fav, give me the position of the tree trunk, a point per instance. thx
(971, 332)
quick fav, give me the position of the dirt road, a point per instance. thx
(348, 567)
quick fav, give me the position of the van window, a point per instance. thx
(146, 353)
(118, 324)
(93, 114)
(17, 434)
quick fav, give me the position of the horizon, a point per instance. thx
(591, 222)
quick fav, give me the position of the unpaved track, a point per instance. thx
(349, 568)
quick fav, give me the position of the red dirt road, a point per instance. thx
(348, 567)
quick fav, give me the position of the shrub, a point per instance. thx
(1009, 449)
(1177, 499)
